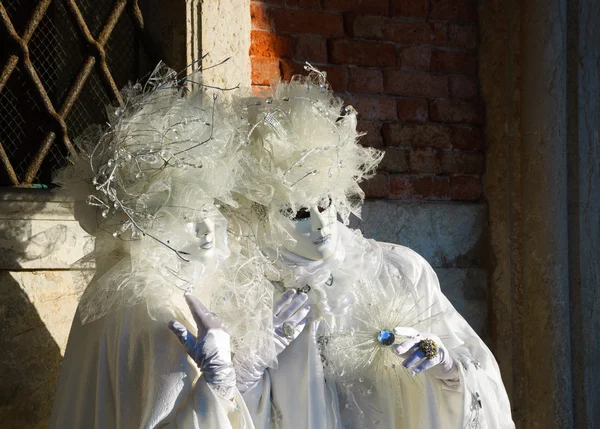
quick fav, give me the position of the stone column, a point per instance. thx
(539, 74)
(542, 289)
(584, 207)
(225, 33)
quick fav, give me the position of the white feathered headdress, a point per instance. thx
(303, 148)
(163, 161)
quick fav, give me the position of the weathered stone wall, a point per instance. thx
(39, 241)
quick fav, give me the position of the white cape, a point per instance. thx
(299, 393)
(127, 370)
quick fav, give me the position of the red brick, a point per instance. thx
(410, 8)
(454, 10)
(462, 36)
(394, 161)
(369, 81)
(412, 109)
(366, 27)
(463, 87)
(372, 133)
(462, 162)
(417, 135)
(265, 71)
(411, 32)
(310, 48)
(307, 4)
(416, 57)
(300, 21)
(257, 90)
(420, 188)
(440, 31)
(380, 28)
(336, 76)
(466, 138)
(414, 84)
(361, 53)
(269, 45)
(370, 7)
(453, 62)
(455, 112)
(376, 187)
(290, 68)
(424, 161)
(466, 188)
(373, 107)
(259, 18)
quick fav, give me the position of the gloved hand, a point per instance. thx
(211, 349)
(413, 350)
(289, 320)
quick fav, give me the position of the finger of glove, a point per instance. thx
(296, 303)
(444, 359)
(406, 332)
(300, 327)
(213, 322)
(186, 338)
(405, 346)
(199, 312)
(423, 366)
(413, 358)
(283, 301)
(299, 315)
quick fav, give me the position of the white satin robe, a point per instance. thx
(296, 395)
(128, 371)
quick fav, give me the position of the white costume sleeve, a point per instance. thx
(126, 370)
(480, 401)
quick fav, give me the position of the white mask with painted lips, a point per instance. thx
(196, 242)
(315, 231)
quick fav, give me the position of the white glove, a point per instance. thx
(211, 350)
(441, 366)
(289, 320)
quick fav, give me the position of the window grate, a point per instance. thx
(62, 62)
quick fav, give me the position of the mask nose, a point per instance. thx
(317, 221)
(205, 229)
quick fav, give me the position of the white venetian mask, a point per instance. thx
(314, 229)
(202, 244)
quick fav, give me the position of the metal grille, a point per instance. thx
(62, 62)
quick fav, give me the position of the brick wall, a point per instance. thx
(410, 69)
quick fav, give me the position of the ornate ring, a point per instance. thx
(288, 330)
(429, 348)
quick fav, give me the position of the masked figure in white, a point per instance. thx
(364, 337)
(146, 189)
